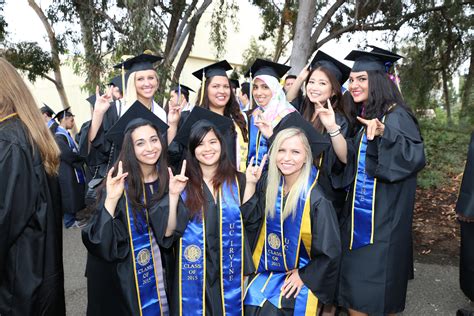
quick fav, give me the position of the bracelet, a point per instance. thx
(335, 133)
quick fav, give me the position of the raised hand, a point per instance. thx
(264, 126)
(326, 116)
(102, 102)
(177, 182)
(253, 173)
(174, 113)
(373, 127)
(293, 284)
(115, 185)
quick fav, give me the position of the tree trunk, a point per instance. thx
(301, 49)
(467, 101)
(446, 93)
(281, 33)
(54, 53)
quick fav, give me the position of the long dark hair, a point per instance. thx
(231, 110)
(195, 200)
(383, 93)
(337, 101)
(134, 180)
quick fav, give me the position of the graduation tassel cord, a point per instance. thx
(203, 81)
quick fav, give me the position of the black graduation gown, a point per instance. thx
(373, 279)
(251, 221)
(31, 267)
(465, 211)
(72, 192)
(109, 269)
(320, 275)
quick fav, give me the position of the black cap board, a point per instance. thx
(317, 141)
(117, 82)
(137, 110)
(376, 49)
(338, 69)
(63, 113)
(91, 99)
(266, 67)
(140, 62)
(46, 109)
(234, 83)
(181, 88)
(217, 69)
(198, 114)
(367, 61)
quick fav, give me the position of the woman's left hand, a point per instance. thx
(293, 284)
(177, 182)
(253, 173)
(374, 127)
(264, 126)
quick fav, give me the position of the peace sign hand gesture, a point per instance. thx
(264, 126)
(374, 127)
(253, 173)
(115, 185)
(326, 116)
(177, 182)
(102, 102)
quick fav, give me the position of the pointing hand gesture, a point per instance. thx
(177, 182)
(253, 173)
(374, 127)
(115, 185)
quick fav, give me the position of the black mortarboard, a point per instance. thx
(92, 99)
(61, 114)
(198, 113)
(182, 89)
(366, 61)
(338, 69)
(234, 83)
(140, 62)
(117, 82)
(317, 141)
(46, 109)
(266, 67)
(376, 49)
(217, 69)
(137, 110)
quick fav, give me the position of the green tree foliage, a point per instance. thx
(29, 58)
(3, 24)
(254, 51)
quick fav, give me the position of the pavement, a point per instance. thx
(434, 291)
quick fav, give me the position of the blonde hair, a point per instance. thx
(274, 175)
(131, 92)
(16, 97)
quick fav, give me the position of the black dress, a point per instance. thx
(109, 270)
(31, 266)
(320, 274)
(465, 211)
(373, 279)
(251, 221)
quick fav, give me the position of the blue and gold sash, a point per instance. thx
(192, 259)
(146, 281)
(279, 250)
(80, 178)
(258, 144)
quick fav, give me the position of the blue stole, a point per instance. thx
(80, 178)
(273, 258)
(192, 257)
(146, 281)
(258, 144)
(51, 122)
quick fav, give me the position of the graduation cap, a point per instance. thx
(338, 69)
(92, 99)
(199, 114)
(136, 111)
(234, 83)
(317, 141)
(46, 109)
(141, 62)
(217, 69)
(266, 67)
(376, 49)
(182, 89)
(366, 61)
(62, 114)
(117, 82)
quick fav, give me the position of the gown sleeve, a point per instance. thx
(15, 184)
(107, 237)
(465, 203)
(320, 275)
(399, 152)
(159, 214)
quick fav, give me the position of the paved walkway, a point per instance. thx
(435, 290)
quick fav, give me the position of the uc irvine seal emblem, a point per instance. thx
(143, 257)
(274, 241)
(192, 253)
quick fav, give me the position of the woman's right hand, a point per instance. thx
(102, 102)
(116, 185)
(253, 173)
(174, 113)
(326, 116)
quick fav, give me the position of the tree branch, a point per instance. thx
(325, 20)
